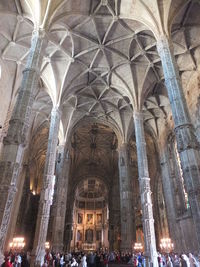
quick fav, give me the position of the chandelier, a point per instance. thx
(47, 245)
(138, 247)
(17, 243)
(166, 244)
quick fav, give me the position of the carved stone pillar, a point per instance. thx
(15, 141)
(114, 215)
(59, 204)
(46, 195)
(126, 199)
(170, 201)
(145, 190)
(68, 225)
(14, 227)
(187, 144)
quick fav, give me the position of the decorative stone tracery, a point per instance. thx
(46, 196)
(126, 199)
(18, 129)
(145, 190)
(60, 198)
(187, 144)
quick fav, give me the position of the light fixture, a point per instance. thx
(47, 245)
(17, 243)
(166, 244)
(138, 246)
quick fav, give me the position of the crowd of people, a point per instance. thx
(101, 259)
(16, 259)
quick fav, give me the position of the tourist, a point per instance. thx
(16, 263)
(48, 258)
(176, 261)
(62, 262)
(101, 260)
(168, 261)
(160, 261)
(131, 260)
(140, 259)
(184, 261)
(7, 262)
(135, 261)
(83, 261)
(91, 260)
(74, 263)
(111, 257)
(45, 264)
(105, 261)
(193, 261)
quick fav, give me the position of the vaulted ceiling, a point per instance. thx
(101, 60)
(91, 189)
(94, 145)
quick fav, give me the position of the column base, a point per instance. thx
(38, 260)
(1, 258)
(155, 261)
(151, 259)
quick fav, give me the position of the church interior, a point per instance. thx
(100, 125)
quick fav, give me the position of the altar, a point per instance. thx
(89, 246)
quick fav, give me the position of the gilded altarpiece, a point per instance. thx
(90, 229)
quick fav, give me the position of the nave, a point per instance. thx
(100, 127)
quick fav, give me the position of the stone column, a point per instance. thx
(114, 214)
(114, 201)
(169, 200)
(59, 205)
(187, 144)
(24, 206)
(145, 191)
(68, 225)
(126, 199)
(15, 141)
(14, 227)
(46, 195)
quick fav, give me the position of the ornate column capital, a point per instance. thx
(56, 110)
(38, 32)
(137, 114)
(123, 146)
(123, 154)
(164, 41)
